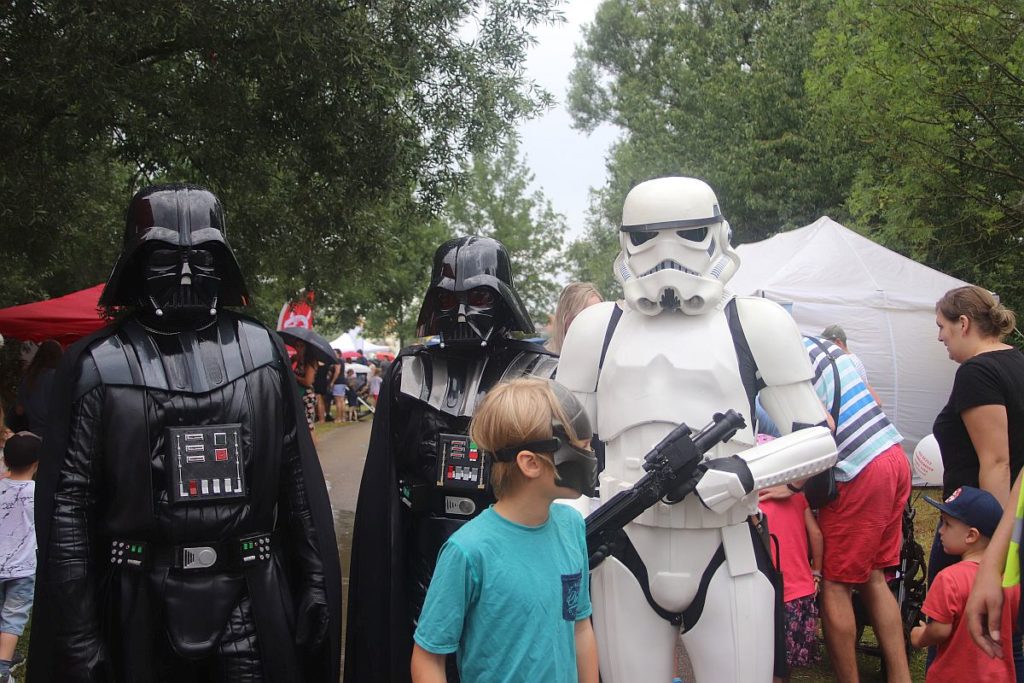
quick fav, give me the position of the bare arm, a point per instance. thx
(308, 375)
(984, 610)
(427, 667)
(932, 633)
(815, 540)
(586, 652)
(873, 394)
(987, 427)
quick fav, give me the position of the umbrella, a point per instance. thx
(317, 345)
(349, 354)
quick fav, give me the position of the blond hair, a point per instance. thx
(571, 301)
(514, 413)
(992, 318)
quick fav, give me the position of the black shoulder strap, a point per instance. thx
(613, 322)
(752, 382)
(834, 410)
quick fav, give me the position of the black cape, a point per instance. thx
(378, 640)
(46, 617)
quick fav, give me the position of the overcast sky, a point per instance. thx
(566, 163)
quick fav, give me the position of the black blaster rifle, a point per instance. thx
(673, 469)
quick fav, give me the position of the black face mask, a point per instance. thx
(576, 467)
(181, 284)
(467, 318)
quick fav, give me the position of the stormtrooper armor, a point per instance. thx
(680, 350)
(423, 477)
(182, 517)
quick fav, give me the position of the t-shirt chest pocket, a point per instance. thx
(571, 595)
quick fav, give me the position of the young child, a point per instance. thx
(800, 547)
(351, 396)
(375, 381)
(969, 518)
(511, 594)
(17, 543)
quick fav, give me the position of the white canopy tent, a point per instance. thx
(351, 341)
(825, 273)
(343, 342)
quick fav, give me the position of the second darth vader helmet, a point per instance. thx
(176, 259)
(675, 247)
(471, 298)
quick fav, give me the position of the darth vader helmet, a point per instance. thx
(176, 260)
(471, 299)
(675, 247)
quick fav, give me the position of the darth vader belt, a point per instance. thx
(232, 554)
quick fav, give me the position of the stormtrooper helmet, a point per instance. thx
(675, 247)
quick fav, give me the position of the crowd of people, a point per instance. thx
(489, 600)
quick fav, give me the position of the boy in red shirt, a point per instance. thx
(969, 518)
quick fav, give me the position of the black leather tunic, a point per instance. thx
(159, 621)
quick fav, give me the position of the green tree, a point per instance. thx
(932, 91)
(712, 89)
(312, 120)
(496, 201)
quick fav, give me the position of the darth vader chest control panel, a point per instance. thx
(205, 463)
(460, 464)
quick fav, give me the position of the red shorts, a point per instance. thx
(863, 527)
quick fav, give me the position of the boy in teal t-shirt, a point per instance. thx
(510, 593)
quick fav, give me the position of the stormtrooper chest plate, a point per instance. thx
(661, 371)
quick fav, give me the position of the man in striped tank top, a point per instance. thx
(862, 526)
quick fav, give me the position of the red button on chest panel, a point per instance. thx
(193, 487)
(220, 454)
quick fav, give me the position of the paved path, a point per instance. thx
(342, 452)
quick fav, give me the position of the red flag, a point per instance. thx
(297, 313)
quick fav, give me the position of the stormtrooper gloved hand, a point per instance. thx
(726, 481)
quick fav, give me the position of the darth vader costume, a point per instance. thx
(423, 477)
(182, 516)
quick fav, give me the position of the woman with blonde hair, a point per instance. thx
(574, 298)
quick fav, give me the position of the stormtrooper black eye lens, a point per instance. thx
(695, 235)
(447, 300)
(480, 297)
(638, 238)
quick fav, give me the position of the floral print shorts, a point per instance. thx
(802, 645)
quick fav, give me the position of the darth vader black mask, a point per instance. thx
(181, 283)
(471, 299)
(468, 316)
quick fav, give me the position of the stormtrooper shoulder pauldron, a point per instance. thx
(193, 364)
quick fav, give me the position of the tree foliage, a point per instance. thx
(497, 202)
(713, 90)
(934, 89)
(902, 117)
(323, 125)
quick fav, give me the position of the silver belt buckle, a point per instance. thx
(198, 557)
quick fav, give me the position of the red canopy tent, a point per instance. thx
(65, 318)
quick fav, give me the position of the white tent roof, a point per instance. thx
(826, 273)
(347, 341)
(343, 342)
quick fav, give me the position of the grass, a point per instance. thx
(870, 666)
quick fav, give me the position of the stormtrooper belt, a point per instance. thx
(233, 554)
